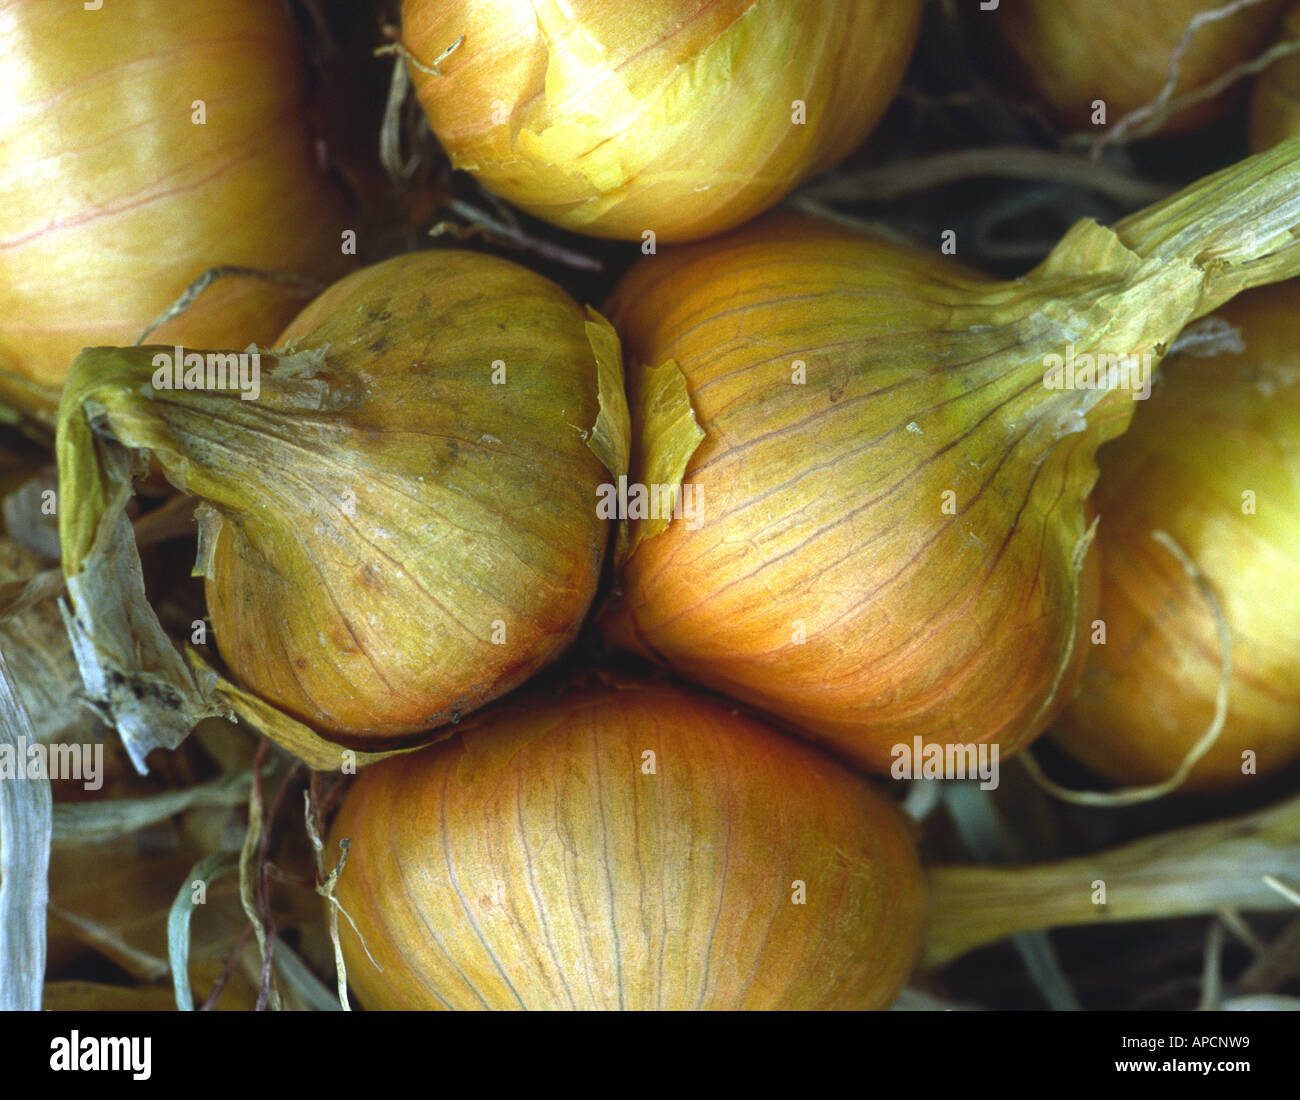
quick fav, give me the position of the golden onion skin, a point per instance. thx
(674, 116)
(112, 200)
(401, 525)
(1214, 429)
(635, 847)
(1275, 100)
(474, 515)
(1072, 52)
(888, 467)
(825, 583)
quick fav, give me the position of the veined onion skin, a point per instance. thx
(1216, 429)
(894, 500)
(633, 847)
(1073, 52)
(113, 200)
(676, 116)
(391, 539)
(1275, 100)
(825, 583)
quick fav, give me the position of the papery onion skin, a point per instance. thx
(1073, 52)
(112, 200)
(38, 653)
(513, 516)
(393, 539)
(894, 468)
(674, 116)
(825, 584)
(1275, 99)
(1214, 429)
(632, 847)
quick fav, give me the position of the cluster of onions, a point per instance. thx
(625, 846)
(1275, 101)
(681, 117)
(892, 496)
(401, 526)
(1213, 462)
(1071, 53)
(142, 144)
(400, 505)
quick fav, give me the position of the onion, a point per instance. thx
(891, 519)
(113, 200)
(1275, 101)
(1212, 460)
(1074, 52)
(633, 847)
(389, 538)
(680, 117)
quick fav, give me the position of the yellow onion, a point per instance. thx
(681, 117)
(629, 847)
(113, 199)
(1074, 52)
(889, 501)
(400, 526)
(1213, 461)
(1275, 101)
